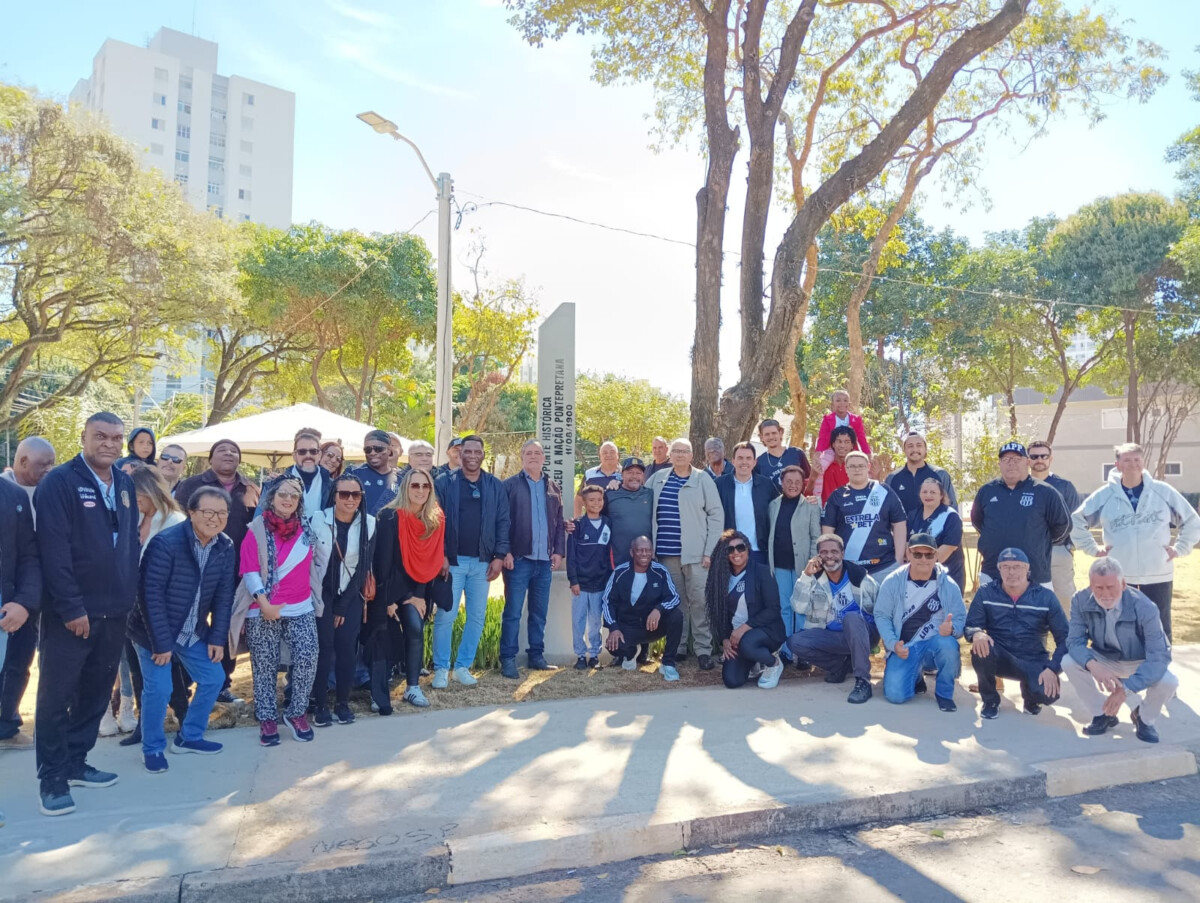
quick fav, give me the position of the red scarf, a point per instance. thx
(423, 555)
(283, 529)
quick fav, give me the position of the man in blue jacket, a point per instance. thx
(87, 536)
(183, 611)
(476, 510)
(537, 545)
(20, 570)
(1006, 626)
(1117, 645)
(920, 615)
(746, 495)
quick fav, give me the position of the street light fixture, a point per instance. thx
(443, 426)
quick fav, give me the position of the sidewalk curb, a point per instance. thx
(347, 878)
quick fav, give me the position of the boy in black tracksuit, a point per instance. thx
(87, 533)
(589, 564)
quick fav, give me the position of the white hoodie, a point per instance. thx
(1137, 538)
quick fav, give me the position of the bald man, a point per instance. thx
(34, 459)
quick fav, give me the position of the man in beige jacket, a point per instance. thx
(688, 520)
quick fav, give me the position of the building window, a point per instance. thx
(248, 99)
(1113, 419)
(247, 124)
(214, 187)
(1174, 469)
(217, 140)
(159, 125)
(160, 99)
(184, 107)
(156, 149)
(185, 83)
(245, 170)
(182, 156)
(218, 115)
(174, 383)
(160, 75)
(245, 217)
(183, 131)
(1107, 468)
(216, 164)
(247, 147)
(181, 178)
(243, 194)
(220, 212)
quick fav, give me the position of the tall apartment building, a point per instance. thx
(228, 142)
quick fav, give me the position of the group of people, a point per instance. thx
(117, 565)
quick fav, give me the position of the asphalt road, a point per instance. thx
(1130, 843)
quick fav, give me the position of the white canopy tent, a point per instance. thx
(267, 438)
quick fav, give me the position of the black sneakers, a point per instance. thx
(1100, 724)
(861, 692)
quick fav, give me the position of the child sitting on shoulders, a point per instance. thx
(839, 415)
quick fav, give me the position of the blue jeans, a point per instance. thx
(900, 674)
(532, 578)
(585, 618)
(469, 576)
(785, 579)
(156, 691)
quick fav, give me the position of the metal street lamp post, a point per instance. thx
(443, 425)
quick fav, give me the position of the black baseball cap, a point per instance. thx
(924, 540)
(633, 462)
(1013, 447)
(455, 442)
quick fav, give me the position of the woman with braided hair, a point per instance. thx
(743, 609)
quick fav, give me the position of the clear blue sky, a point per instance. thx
(528, 126)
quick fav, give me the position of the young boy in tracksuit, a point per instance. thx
(589, 564)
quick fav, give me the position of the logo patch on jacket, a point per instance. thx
(1026, 499)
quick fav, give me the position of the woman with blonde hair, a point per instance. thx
(409, 582)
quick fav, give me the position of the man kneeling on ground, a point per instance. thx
(1117, 644)
(834, 600)
(743, 609)
(920, 615)
(1007, 625)
(641, 605)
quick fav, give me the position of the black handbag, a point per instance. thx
(441, 593)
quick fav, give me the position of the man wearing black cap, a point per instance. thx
(453, 458)
(223, 460)
(378, 475)
(1019, 512)
(1006, 626)
(629, 508)
(920, 614)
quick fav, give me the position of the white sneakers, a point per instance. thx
(108, 724)
(126, 717)
(464, 677)
(770, 676)
(441, 678)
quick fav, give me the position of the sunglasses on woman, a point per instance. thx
(420, 485)
(347, 494)
(738, 549)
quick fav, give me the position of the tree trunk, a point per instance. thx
(791, 372)
(741, 402)
(1133, 432)
(710, 225)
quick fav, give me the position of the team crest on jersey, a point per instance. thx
(741, 587)
(1026, 499)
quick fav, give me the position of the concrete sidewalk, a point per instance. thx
(391, 806)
